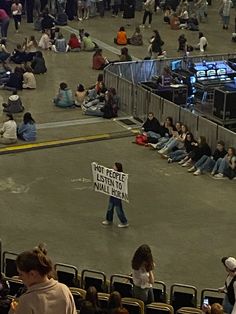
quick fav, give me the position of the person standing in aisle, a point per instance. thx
(4, 22)
(117, 204)
(16, 10)
(149, 7)
(129, 11)
(29, 10)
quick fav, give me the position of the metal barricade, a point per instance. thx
(191, 120)
(141, 102)
(111, 80)
(209, 130)
(227, 136)
(125, 91)
(170, 110)
(156, 106)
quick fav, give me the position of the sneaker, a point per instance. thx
(219, 176)
(149, 26)
(153, 145)
(142, 26)
(181, 162)
(186, 164)
(213, 173)
(192, 169)
(123, 225)
(106, 222)
(169, 160)
(197, 172)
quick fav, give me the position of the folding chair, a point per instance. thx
(213, 296)
(123, 285)
(189, 310)
(183, 296)
(9, 264)
(133, 305)
(78, 296)
(67, 274)
(159, 291)
(103, 299)
(94, 278)
(159, 308)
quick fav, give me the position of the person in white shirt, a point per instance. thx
(8, 131)
(202, 45)
(142, 272)
(149, 7)
(29, 81)
(225, 12)
(229, 288)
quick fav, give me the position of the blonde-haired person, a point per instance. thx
(43, 294)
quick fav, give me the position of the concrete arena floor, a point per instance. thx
(189, 222)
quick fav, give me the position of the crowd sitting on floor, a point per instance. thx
(176, 143)
(41, 293)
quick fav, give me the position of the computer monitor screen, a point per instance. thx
(211, 72)
(221, 71)
(176, 65)
(201, 73)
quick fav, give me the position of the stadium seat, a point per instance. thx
(159, 291)
(94, 278)
(189, 310)
(78, 295)
(122, 284)
(213, 296)
(183, 296)
(159, 308)
(103, 299)
(16, 286)
(67, 274)
(9, 264)
(133, 305)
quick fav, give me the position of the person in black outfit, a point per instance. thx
(19, 55)
(156, 44)
(15, 81)
(48, 22)
(29, 10)
(152, 128)
(71, 9)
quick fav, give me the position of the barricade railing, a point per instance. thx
(141, 102)
(191, 120)
(111, 80)
(227, 136)
(171, 110)
(156, 106)
(209, 130)
(125, 91)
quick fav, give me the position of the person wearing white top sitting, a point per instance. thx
(8, 131)
(202, 45)
(142, 272)
(29, 81)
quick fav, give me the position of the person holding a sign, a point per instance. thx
(117, 204)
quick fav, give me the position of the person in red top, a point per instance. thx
(4, 22)
(99, 62)
(74, 43)
(121, 38)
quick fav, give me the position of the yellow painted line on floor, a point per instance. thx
(30, 146)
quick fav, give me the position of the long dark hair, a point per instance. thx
(92, 296)
(143, 256)
(28, 118)
(119, 166)
(114, 300)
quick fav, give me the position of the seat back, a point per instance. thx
(122, 284)
(16, 287)
(133, 305)
(103, 300)
(159, 308)
(183, 296)
(213, 296)
(189, 310)
(67, 274)
(94, 278)
(78, 297)
(9, 264)
(159, 291)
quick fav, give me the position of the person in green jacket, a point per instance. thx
(64, 98)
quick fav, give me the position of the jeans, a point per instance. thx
(227, 306)
(52, 6)
(171, 144)
(225, 20)
(205, 163)
(152, 134)
(162, 141)
(221, 165)
(4, 27)
(146, 295)
(117, 204)
(145, 15)
(178, 155)
(17, 20)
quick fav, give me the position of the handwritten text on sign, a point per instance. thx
(109, 181)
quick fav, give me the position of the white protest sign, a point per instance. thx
(110, 182)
